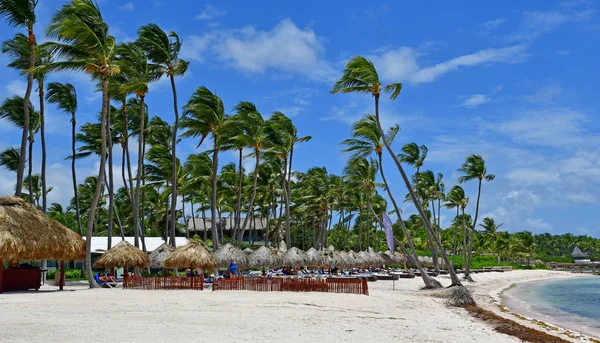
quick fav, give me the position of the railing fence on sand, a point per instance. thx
(329, 285)
(164, 282)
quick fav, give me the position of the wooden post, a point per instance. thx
(61, 282)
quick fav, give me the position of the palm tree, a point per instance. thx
(84, 44)
(456, 199)
(414, 155)
(9, 159)
(360, 76)
(367, 140)
(64, 96)
(474, 168)
(491, 232)
(204, 114)
(163, 50)
(19, 14)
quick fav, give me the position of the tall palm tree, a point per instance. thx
(414, 155)
(360, 76)
(20, 14)
(204, 115)
(163, 49)
(64, 96)
(474, 168)
(491, 233)
(456, 199)
(84, 44)
(366, 141)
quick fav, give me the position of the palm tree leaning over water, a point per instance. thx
(84, 44)
(64, 95)
(474, 168)
(360, 76)
(163, 50)
(19, 14)
(367, 140)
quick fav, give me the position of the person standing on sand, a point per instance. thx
(232, 269)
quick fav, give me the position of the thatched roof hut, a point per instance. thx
(192, 255)
(26, 233)
(123, 254)
(263, 257)
(334, 258)
(376, 259)
(228, 252)
(160, 254)
(355, 259)
(294, 257)
(248, 251)
(386, 258)
(314, 258)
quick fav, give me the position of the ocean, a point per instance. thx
(572, 304)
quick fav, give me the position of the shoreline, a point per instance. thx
(490, 298)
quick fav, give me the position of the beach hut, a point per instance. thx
(26, 233)
(125, 255)
(192, 255)
(356, 260)
(228, 252)
(314, 258)
(263, 257)
(294, 257)
(386, 258)
(248, 251)
(160, 254)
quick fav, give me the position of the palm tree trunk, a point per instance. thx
(434, 256)
(140, 166)
(74, 174)
(141, 222)
(96, 198)
(193, 215)
(204, 223)
(187, 232)
(111, 183)
(455, 241)
(464, 247)
(453, 276)
(288, 238)
(174, 162)
(213, 197)
(252, 197)
(43, 141)
(23, 152)
(238, 209)
(360, 228)
(470, 254)
(30, 168)
(429, 282)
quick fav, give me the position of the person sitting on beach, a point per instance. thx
(232, 270)
(111, 278)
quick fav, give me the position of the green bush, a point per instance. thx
(69, 274)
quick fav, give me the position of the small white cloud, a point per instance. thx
(195, 47)
(210, 12)
(16, 87)
(537, 23)
(538, 224)
(475, 100)
(290, 111)
(128, 6)
(545, 95)
(492, 24)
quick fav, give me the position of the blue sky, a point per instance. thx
(514, 82)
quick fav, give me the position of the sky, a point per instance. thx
(511, 81)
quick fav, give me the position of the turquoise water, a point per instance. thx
(569, 303)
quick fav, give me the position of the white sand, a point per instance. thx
(406, 314)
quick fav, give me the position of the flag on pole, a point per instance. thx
(389, 232)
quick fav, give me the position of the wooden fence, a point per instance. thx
(330, 285)
(164, 282)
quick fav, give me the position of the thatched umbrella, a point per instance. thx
(262, 257)
(294, 257)
(192, 255)
(160, 254)
(386, 258)
(26, 233)
(248, 251)
(228, 252)
(365, 258)
(356, 260)
(314, 258)
(123, 254)
(376, 259)
(333, 258)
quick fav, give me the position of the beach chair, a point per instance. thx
(103, 284)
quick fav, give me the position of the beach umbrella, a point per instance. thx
(294, 257)
(248, 251)
(123, 254)
(192, 255)
(228, 252)
(314, 258)
(356, 260)
(365, 259)
(160, 254)
(387, 259)
(376, 259)
(262, 257)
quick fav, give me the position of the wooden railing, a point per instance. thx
(163, 282)
(330, 285)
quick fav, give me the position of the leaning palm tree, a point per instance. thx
(414, 155)
(204, 115)
(9, 159)
(360, 76)
(163, 49)
(366, 141)
(64, 96)
(474, 168)
(20, 14)
(84, 44)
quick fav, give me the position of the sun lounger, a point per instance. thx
(104, 284)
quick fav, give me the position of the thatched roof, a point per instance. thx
(26, 233)
(228, 252)
(387, 259)
(314, 258)
(121, 255)
(578, 254)
(192, 255)
(376, 259)
(334, 258)
(355, 259)
(294, 258)
(262, 257)
(248, 251)
(160, 254)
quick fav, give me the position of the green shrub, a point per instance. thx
(69, 274)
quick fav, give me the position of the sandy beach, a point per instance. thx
(405, 314)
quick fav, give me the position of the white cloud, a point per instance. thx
(290, 111)
(16, 87)
(492, 24)
(285, 47)
(546, 95)
(475, 100)
(194, 47)
(210, 12)
(128, 6)
(402, 65)
(537, 23)
(538, 224)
